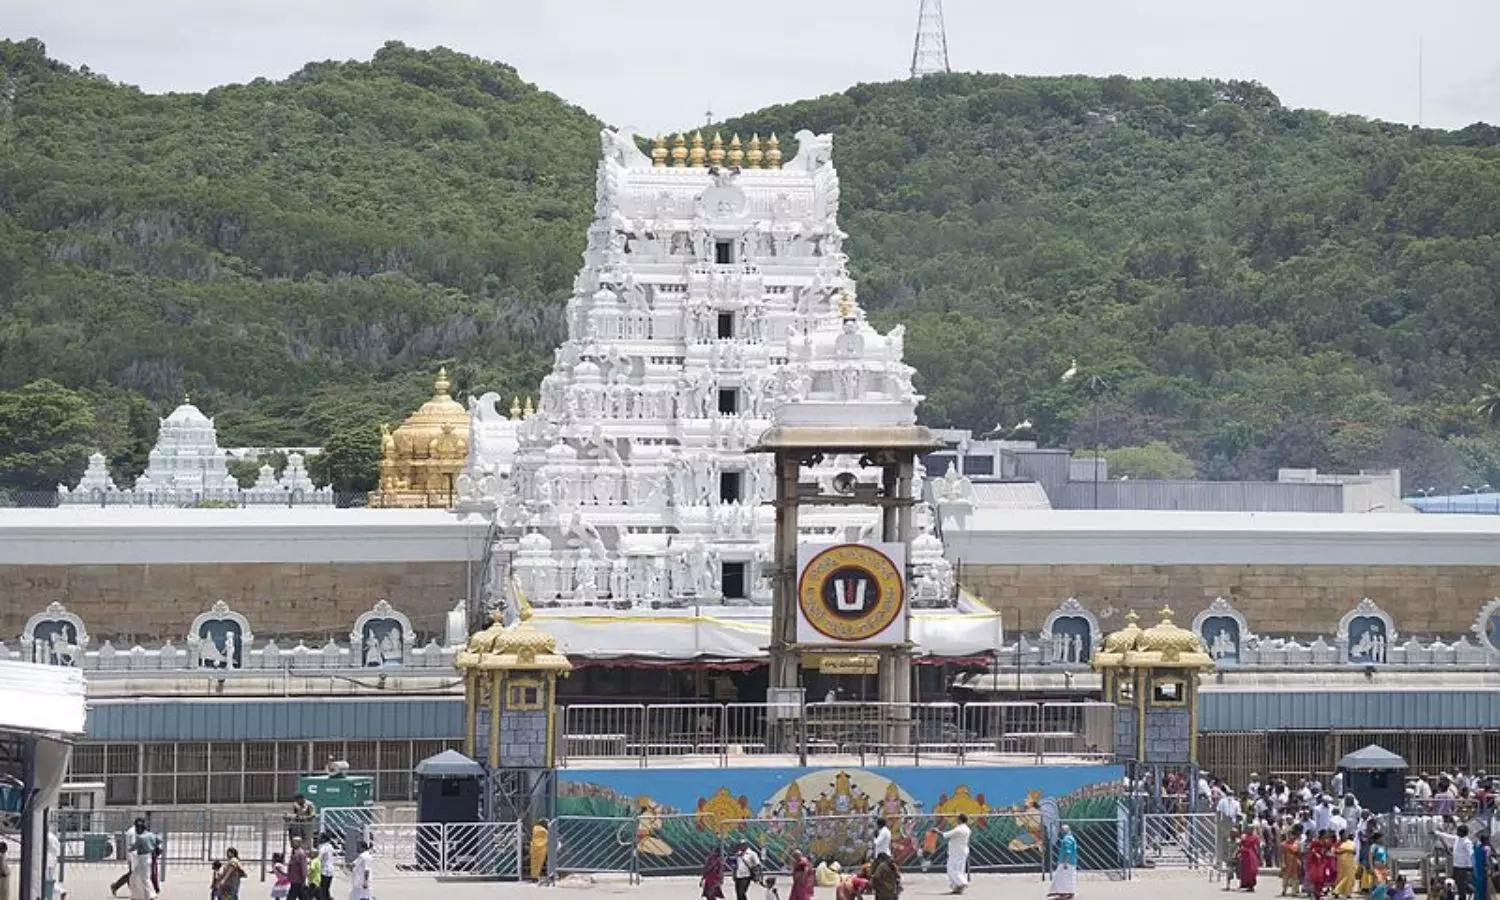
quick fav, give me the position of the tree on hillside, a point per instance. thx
(350, 460)
(46, 435)
(1154, 460)
(1487, 404)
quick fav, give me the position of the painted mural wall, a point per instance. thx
(670, 820)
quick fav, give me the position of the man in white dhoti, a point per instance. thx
(359, 877)
(142, 848)
(958, 854)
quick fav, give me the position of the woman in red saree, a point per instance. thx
(852, 887)
(712, 879)
(1316, 862)
(1249, 859)
(802, 877)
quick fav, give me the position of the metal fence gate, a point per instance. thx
(453, 850)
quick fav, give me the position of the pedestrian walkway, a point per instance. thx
(185, 881)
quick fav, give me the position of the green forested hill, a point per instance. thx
(1253, 286)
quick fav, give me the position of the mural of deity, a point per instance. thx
(830, 813)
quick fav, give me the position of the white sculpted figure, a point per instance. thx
(697, 564)
(209, 656)
(585, 577)
(374, 652)
(619, 578)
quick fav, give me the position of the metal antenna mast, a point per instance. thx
(929, 54)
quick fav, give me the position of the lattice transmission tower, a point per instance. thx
(929, 54)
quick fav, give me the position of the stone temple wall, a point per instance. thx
(128, 604)
(1275, 599)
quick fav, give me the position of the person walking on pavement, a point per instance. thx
(958, 855)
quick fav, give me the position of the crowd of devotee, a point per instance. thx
(1323, 844)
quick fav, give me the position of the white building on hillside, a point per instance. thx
(187, 467)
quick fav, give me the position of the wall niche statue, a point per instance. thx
(219, 639)
(381, 637)
(55, 637)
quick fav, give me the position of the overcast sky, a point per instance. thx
(661, 65)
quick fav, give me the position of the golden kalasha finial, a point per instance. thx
(773, 152)
(1166, 614)
(441, 386)
(736, 155)
(753, 158)
(515, 407)
(659, 151)
(846, 305)
(696, 156)
(679, 151)
(527, 413)
(716, 151)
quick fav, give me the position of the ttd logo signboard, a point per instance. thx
(851, 594)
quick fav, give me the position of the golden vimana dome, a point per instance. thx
(420, 461)
(1165, 637)
(1124, 639)
(1163, 644)
(519, 646)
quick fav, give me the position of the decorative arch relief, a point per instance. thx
(55, 637)
(1070, 635)
(381, 637)
(1224, 631)
(1366, 634)
(1487, 626)
(219, 639)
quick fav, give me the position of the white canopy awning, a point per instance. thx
(737, 633)
(48, 701)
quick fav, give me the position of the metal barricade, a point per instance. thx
(746, 731)
(1081, 730)
(683, 730)
(602, 731)
(675, 844)
(346, 825)
(189, 837)
(656, 845)
(1105, 846)
(1002, 731)
(403, 851)
(868, 732)
(449, 850)
(593, 845)
(1180, 841)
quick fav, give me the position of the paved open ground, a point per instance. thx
(92, 883)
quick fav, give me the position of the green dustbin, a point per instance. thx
(96, 847)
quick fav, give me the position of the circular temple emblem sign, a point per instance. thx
(851, 592)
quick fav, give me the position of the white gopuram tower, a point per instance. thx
(713, 292)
